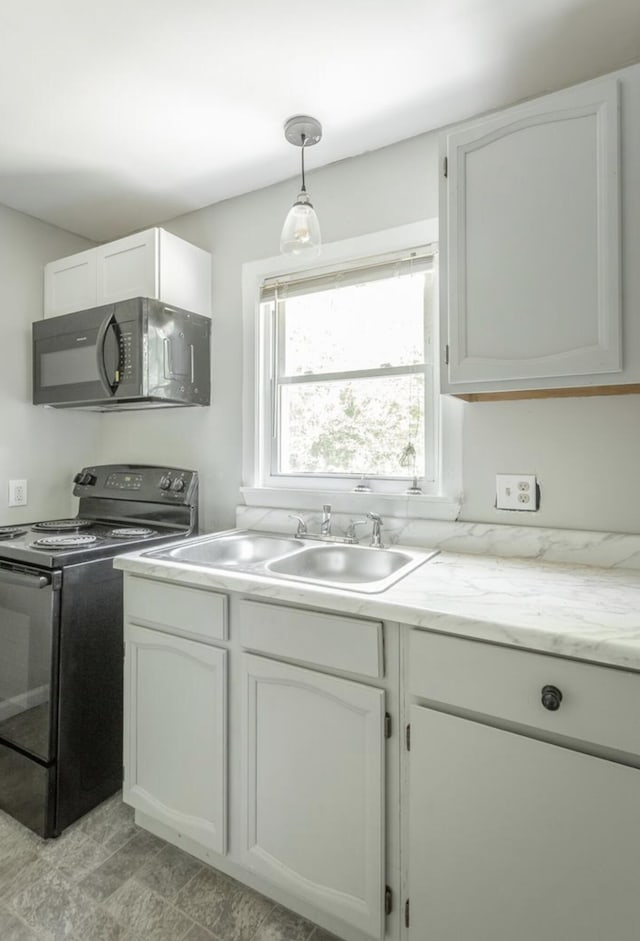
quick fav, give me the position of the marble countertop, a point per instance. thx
(569, 610)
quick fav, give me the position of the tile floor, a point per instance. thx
(105, 879)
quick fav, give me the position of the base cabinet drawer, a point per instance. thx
(189, 612)
(353, 645)
(594, 704)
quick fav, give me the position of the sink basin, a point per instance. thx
(236, 550)
(359, 568)
(356, 567)
(341, 563)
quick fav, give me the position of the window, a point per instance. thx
(340, 383)
(350, 374)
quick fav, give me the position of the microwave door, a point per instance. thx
(64, 368)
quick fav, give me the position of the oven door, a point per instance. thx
(29, 619)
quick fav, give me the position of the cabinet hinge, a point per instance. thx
(445, 166)
(446, 355)
(406, 914)
(407, 736)
(387, 725)
(388, 900)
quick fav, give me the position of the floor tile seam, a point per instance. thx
(25, 924)
(148, 855)
(58, 864)
(194, 918)
(169, 899)
(203, 868)
(268, 912)
(157, 895)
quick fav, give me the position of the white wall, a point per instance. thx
(41, 445)
(585, 451)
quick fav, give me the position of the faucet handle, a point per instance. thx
(350, 534)
(302, 526)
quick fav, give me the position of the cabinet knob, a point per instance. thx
(551, 698)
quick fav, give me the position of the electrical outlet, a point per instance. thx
(517, 492)
(17, 493)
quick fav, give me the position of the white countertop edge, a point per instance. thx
(582, 613)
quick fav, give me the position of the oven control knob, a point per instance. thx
(165, 483)
(89, 480)
(78, 479)
(178, 485)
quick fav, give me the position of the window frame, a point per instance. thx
(442, 481)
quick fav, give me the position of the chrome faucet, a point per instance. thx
(376, 539)
(325, 525)
(302, 526)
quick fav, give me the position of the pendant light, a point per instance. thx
(301, 230)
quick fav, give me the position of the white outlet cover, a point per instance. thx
(17, 493)
(516, 492)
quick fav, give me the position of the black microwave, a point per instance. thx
(138, 353)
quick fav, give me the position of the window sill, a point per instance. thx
(409, 506)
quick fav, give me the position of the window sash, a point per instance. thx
(273, 296)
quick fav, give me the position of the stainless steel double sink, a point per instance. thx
(337, 565)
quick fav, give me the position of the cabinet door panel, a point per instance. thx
(531, 240)
(128, 268)
(175, 733)
(315, 788)
(515, 838)
(70, 284)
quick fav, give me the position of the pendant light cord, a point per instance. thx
(304, 140)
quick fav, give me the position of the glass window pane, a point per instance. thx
(357, 426)
(362, 326)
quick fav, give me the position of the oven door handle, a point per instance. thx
(23, 579)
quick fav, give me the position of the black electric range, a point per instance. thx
(61, 642)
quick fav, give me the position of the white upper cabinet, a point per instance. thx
(530, 245)
(153, 263)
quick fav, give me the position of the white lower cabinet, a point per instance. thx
(313, 804)
(175, 735)
(509, 811)
(515, 838)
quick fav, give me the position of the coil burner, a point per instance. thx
(64, 542)
(132, 532)
(63, 526)
(11, 532)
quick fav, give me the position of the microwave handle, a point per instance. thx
(108, 321)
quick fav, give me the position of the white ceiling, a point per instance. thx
(120, 114)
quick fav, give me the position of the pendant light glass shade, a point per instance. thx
(301, 230)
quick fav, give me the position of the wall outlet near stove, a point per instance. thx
(17, 493)
(517, 492)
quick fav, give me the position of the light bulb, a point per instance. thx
(301, 229)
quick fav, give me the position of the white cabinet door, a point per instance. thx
(513, 838)
(530, 254)
(175, 733)
(153, 263)
(70, 284)
(314, 789)
(128, 268)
